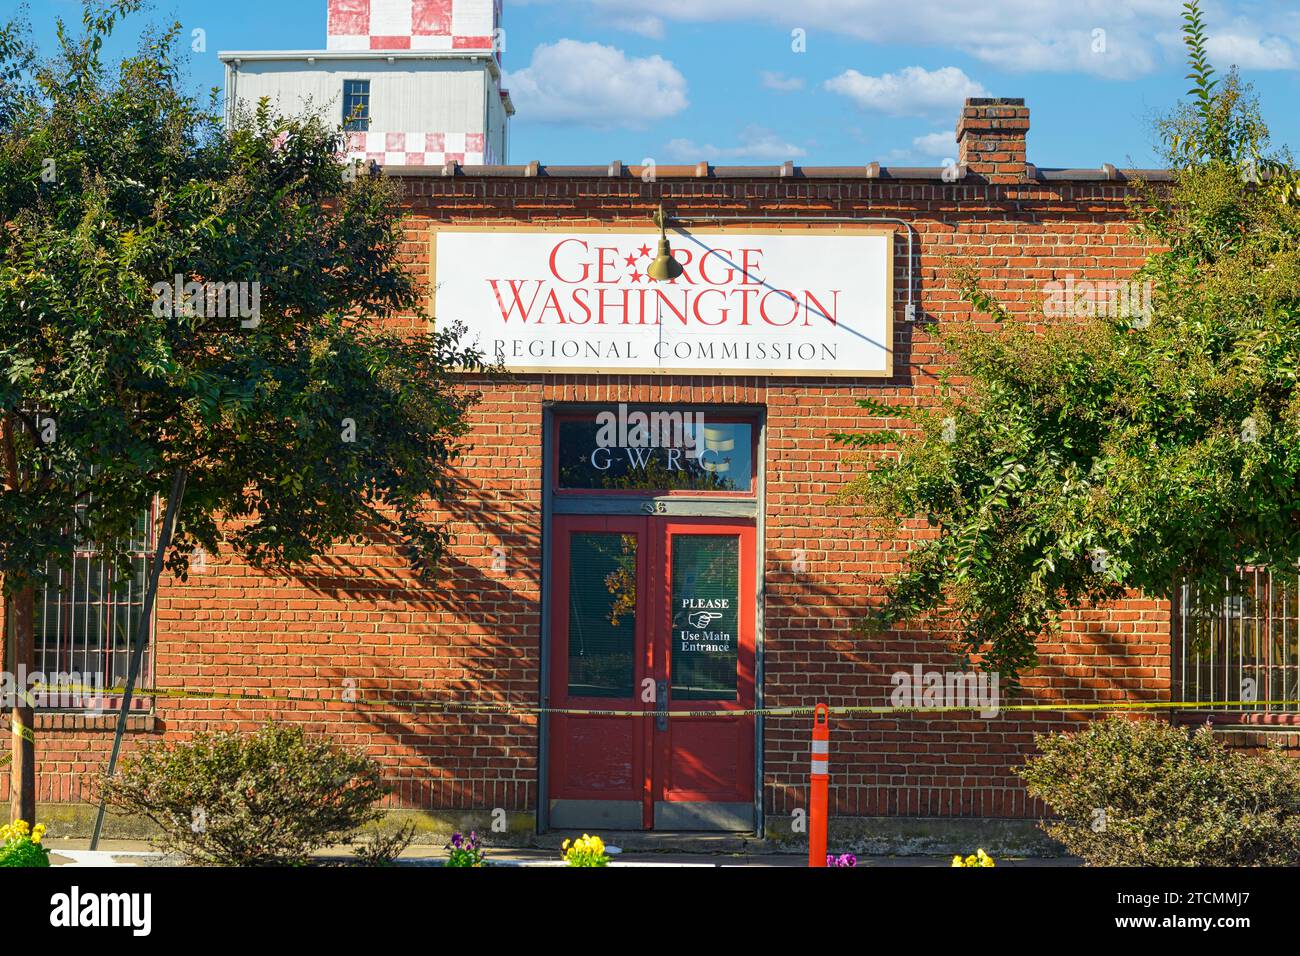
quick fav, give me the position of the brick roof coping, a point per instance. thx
(704, 170)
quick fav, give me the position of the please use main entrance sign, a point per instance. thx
(809, 302)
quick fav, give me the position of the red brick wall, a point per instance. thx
(359, 616)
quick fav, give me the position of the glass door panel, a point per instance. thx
(705, 602)
(602, 614)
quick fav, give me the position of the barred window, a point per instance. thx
(1238, 652)
(86, 620)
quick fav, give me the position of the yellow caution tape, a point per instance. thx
(454, 707)
(24, 732)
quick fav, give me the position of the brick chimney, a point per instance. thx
(991, 139)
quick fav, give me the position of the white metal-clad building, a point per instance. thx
(415, 82)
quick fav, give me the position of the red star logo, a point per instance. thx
(636, 276)
(631, 260)
(644, 251)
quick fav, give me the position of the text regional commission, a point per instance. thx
(610, 349)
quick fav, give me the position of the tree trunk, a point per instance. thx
(19, 647)
(5, 665)
(22, 772)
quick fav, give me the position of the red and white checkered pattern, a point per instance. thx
(419, 149)
(412, 24)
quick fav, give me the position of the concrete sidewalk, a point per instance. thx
(76, 853)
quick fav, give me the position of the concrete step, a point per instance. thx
(654, 841)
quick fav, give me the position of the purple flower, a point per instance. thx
(457, 840)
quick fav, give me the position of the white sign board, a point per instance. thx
(775, 302)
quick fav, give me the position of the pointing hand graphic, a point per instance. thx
(703, 619)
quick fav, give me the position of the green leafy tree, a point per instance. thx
(1104, 449)
(296, 391)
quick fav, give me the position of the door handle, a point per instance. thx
(661, 700)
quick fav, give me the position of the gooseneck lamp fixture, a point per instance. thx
(665, 267)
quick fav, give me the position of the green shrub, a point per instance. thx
(262, 799)
(1143, 793)
(382, 849)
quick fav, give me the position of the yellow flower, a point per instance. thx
(564, 845)
(957, 861)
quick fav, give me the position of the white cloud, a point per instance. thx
(1240, 43)
(942, 144)
(781, 82)
(1108, 51)
(1024, 36)
(1015, 35)
(911, 91)
(647, 26)
(755, 143)
(1250, 52)
(591, 84)
(930, 149)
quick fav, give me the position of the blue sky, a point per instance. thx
(875, 80)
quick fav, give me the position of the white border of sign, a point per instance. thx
(876, 272)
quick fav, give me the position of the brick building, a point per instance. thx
(568, 590)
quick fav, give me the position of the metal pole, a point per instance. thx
(142, 634)
(813, 219)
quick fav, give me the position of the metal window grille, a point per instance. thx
(86, 620)
(356, 105)
(1237, 651)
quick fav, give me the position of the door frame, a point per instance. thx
(677, 505)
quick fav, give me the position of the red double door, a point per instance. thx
(654, 615)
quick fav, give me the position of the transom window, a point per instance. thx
(631, 448)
